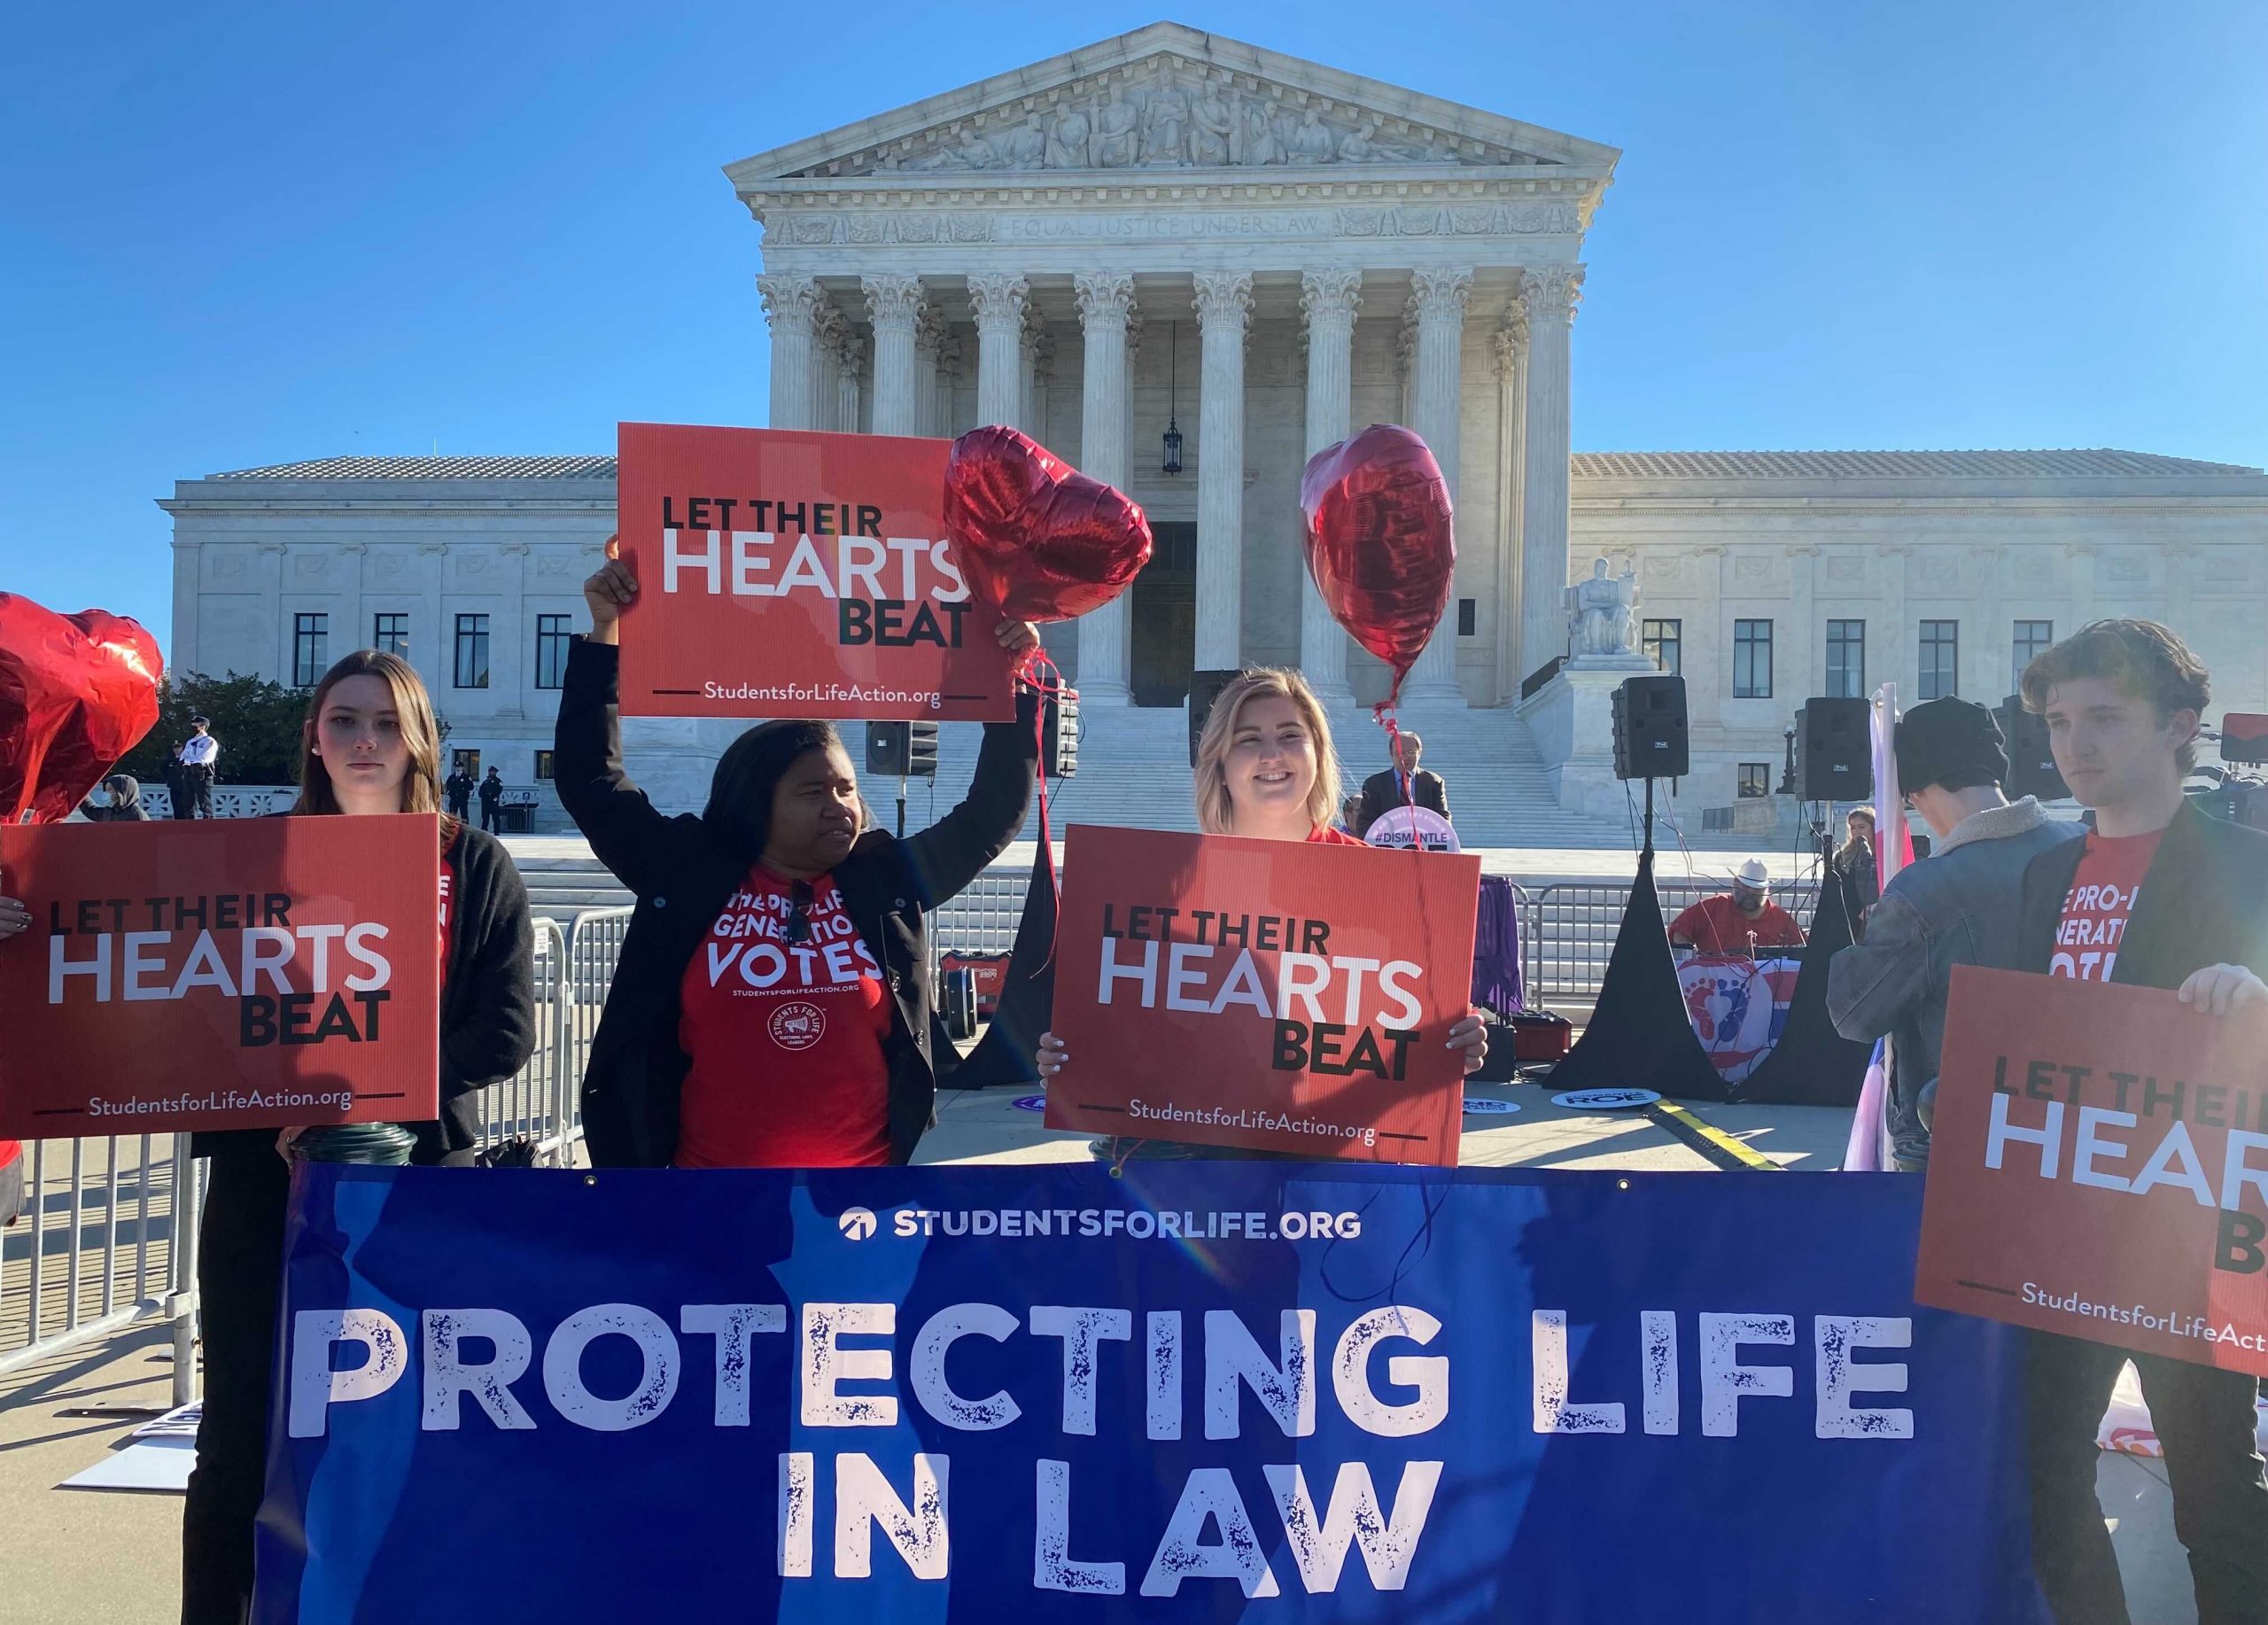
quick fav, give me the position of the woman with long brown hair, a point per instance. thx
(369, 745)
(1265, 768)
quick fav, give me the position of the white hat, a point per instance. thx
(1754, 874)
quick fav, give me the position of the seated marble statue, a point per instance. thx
(1600, 617)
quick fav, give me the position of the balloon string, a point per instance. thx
(1050, 688)
(1383, 714)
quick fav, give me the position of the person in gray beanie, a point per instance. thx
(1957, 906)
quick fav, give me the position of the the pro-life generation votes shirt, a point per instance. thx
(2100, 902)
(785, 1027)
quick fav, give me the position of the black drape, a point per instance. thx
(1005, 1053)
(1640, 1036)
(1812, 1064)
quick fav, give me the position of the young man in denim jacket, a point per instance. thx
(1958, 907)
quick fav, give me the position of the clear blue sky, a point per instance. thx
(251, 233)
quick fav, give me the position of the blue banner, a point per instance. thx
(1204, 1391)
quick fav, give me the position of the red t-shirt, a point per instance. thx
(1326, 835)
(2100, 902)
(786, 1037)
(1715, 925)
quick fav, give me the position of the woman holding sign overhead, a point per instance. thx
(772, 1006)
(1265, 769)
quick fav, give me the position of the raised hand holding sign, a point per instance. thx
(1379, 541)
(76, 692)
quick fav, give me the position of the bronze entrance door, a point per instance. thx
(1165, 617)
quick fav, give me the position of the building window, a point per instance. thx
(310, 638)
(1755, 781)
(1751, 660)
(2033, 639)
(551, 649)
(1846, 659)
(1940, 660)
(543, 767)
(390, 635)
(1665, 644)
(472, 651)
(1468, 617)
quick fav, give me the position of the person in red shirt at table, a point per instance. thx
(1747, 921)
(2157, 895)
(1265, 768)
(772, 1006)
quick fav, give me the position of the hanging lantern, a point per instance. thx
(1173, 390)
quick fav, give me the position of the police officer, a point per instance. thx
(198, 755)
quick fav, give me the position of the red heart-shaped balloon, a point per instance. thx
(76, 692)
(1380, 541)
(1039, 539)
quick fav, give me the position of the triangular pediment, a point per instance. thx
(1167, 99)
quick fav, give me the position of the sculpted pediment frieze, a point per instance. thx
(1167, 114)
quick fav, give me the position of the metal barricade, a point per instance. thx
(983, 919)
(594, 949)
(1574, 925)
(1524, 913)
(107, 1242)
(534, 1103)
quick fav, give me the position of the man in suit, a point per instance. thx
(1382, 792)
(2157, 895)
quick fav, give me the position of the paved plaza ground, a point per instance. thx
(85, 1558)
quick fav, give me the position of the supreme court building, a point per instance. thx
(1171, 238)
(1174, 230)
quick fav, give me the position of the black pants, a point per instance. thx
(193, 797)
(2204, 1420)
(239, 1266)
(492, 815)
(459, 807)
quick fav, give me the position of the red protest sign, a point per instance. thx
(230, 973)
(785, 573)
(2100, 1168)
(1267, 994)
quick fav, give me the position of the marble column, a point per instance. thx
(1037, 356)
(789, 304)
(928, 359)
(1807, 638)
(851, 362)
(997, 297)
(895, 305)
(1223, 305)
(1106, 301)
(1511, 379)
(1438, 296)
(829, 327)
(1327, 301)
(1549, 294)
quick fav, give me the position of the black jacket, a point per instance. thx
(1382, 793)
(491, 790)
(2204, 901)
(487, 1005)
(682, 876)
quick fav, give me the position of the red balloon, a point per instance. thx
(1039, 539)
(76, 692)
(1380, 542)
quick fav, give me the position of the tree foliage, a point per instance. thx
(257, 722)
